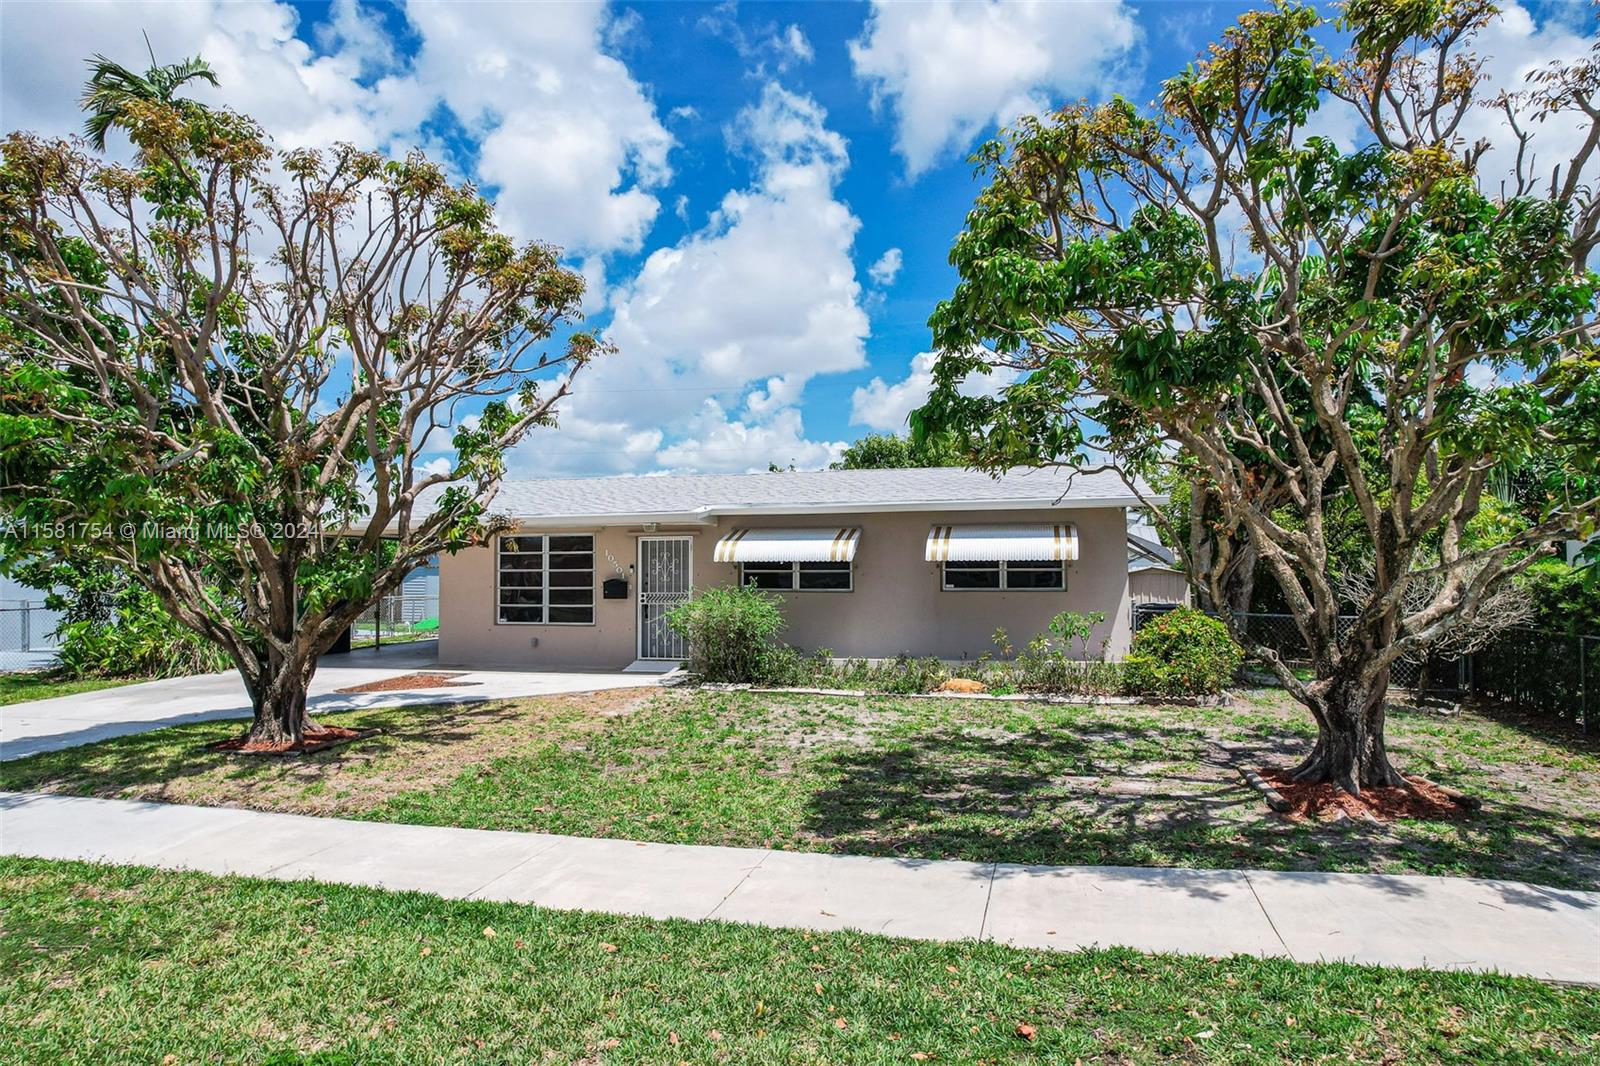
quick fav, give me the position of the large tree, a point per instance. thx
(245, 378)
(1208, 284)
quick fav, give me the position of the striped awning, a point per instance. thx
(832, 545)
(1012, 543)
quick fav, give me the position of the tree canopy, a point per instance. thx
(1207, 286)
(265, 384)
(878, 451)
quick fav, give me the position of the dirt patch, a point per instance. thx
(321, 740)
(1325, 802)
(406, 682)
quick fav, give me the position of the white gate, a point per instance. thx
(666, 576)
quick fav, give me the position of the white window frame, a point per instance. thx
(794, 577)
(1004, 586)
(544, 607)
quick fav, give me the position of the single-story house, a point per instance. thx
(868, 563)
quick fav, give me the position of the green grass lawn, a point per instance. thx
(126, 965)
(1014, 782)
(23, 686)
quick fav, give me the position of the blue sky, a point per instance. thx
(762, 195)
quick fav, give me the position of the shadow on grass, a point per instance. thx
(1049, 798)
(145, 765)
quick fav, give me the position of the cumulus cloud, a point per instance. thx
(950, 71)
(886, 269)
(716, 444)
(566, 138)
(881, 406)
(718, 334)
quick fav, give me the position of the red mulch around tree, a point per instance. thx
(408, 681)
(325, 737)
(1324, 802)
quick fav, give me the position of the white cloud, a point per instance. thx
(951, 71)
(795, 43)
(717, 445)
(767, 48)
(718, 334)
(886, 269)
(570, 141)
(881, 406)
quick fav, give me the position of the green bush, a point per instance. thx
(731, 634)
(1566, 598)
(138, 640)
(1182, 653)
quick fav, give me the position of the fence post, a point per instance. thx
(27, 636)
(1583, 686)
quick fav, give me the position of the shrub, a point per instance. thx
(1045, 664)
(1566, 598)
(1182, 653)
(731, 633)
(138, 640)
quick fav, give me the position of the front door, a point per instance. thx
(666, 576)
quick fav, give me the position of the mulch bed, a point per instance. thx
(1422, 799)
(408, 681)
(324, 738)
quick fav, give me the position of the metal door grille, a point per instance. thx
(665, 580)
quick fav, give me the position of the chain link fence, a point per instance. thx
(1556, 674)
(27, 635)
(396, 620)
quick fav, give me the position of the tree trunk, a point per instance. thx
(1350, 750)
(279, 701)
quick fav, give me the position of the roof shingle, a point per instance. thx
(698, 496)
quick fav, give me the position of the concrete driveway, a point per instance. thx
(67, 721)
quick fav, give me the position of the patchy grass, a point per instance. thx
(41, 685)
(1013, 782)
(127, 965)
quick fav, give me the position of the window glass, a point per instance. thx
(1026, 574)
(546, 579)
(824, 577)
(769, 575)
(972, 575)
(1037, 574)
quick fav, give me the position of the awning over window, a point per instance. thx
(835, 545)
(1012, 543)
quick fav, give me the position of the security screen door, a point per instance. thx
(665, 580)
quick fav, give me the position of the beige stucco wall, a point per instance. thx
(897, 604)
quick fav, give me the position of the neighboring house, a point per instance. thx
(1154, 575)
(869, 563)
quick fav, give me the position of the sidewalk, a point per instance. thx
(1438, 922)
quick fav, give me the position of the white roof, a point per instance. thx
(1012, 542)
(704, 497)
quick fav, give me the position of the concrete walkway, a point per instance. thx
(1439, 922)
(67, 721)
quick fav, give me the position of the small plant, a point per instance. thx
(1182, 653)
(732, 634)
(1002, 643)
(1073, 627)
